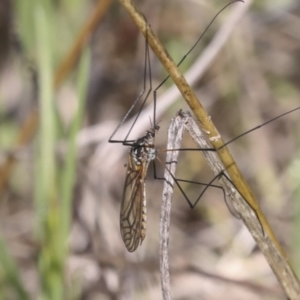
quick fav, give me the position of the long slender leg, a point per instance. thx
(147, 75)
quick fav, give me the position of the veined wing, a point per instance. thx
(133, 206)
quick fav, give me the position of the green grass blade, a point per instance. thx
(51, 264)
(68, 174)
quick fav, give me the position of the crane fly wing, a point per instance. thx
(133, 206)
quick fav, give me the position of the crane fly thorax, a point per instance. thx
(143, 149)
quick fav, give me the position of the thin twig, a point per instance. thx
(175, 134)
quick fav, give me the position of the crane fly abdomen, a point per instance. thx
(133, 214)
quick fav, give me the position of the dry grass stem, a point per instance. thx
(175, 134)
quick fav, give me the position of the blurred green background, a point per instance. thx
(59, 210)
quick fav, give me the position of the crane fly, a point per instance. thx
(133, 214)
